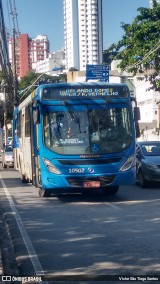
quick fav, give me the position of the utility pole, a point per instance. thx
(5, 118)
(14, 70)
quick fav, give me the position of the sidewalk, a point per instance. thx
(8, 264)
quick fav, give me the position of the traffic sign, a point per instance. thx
(100, 72)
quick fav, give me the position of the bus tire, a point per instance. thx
(44, 192)
(110, 191)
(23, 179)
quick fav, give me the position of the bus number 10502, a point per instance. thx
(76, 170)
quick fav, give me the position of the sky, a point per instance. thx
(36, 17)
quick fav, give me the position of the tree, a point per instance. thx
(24, 85)
(108, 56)
(139, 47)
(72, 69)
(7, 104)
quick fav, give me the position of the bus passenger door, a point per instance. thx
(21, 154)
(35, 148)
(25, 159)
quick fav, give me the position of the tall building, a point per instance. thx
(83, 36)
(27, 52)
(38, 49)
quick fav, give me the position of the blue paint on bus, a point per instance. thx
(72, 137)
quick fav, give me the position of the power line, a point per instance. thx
(14, 15)
(4, 61)
(9, 15)
(155, 48)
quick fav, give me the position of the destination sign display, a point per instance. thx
(51, 93)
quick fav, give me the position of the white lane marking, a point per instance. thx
(30, 249)
(112, 206)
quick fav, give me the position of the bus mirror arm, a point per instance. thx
(137, 115)
(138, 134)
(36, 116)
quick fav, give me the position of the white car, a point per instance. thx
(7, 157)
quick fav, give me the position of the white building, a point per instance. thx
(39, 49)
(83, 37)
(147, 101)
(146, 98)
(54, 61)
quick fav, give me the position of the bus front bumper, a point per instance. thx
(80, 182)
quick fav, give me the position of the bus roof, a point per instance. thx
(82, 84)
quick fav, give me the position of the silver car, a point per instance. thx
(147, 162)
(7, 157)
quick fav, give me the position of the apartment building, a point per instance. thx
(27, 52)
(83, 36)
(55, 60)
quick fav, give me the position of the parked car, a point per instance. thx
(147, 162)
(7, 157)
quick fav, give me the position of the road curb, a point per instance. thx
(1, 268)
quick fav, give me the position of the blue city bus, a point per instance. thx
(75, 137)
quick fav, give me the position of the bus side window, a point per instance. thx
(27, 122)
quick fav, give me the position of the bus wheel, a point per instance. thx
(110, 191)
(44, 192)
(23, 179)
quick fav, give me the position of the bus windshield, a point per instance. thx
(87, 129)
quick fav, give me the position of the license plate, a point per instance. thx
(88, 184)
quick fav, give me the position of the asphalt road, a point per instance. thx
(83, 236)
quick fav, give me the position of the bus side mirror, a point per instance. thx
(137, 115)
(36, 116)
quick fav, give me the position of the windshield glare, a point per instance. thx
(151, 150)
(87, 130)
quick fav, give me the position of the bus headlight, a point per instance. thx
(51, 167)
(128, 164)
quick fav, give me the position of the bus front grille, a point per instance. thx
(79, 181)
(90, 161)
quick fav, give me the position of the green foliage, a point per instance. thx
(35, 79)
(108, 56)
(27, 80)
(72, 69)
(139, 47)
(6, 86)
(23, 90)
